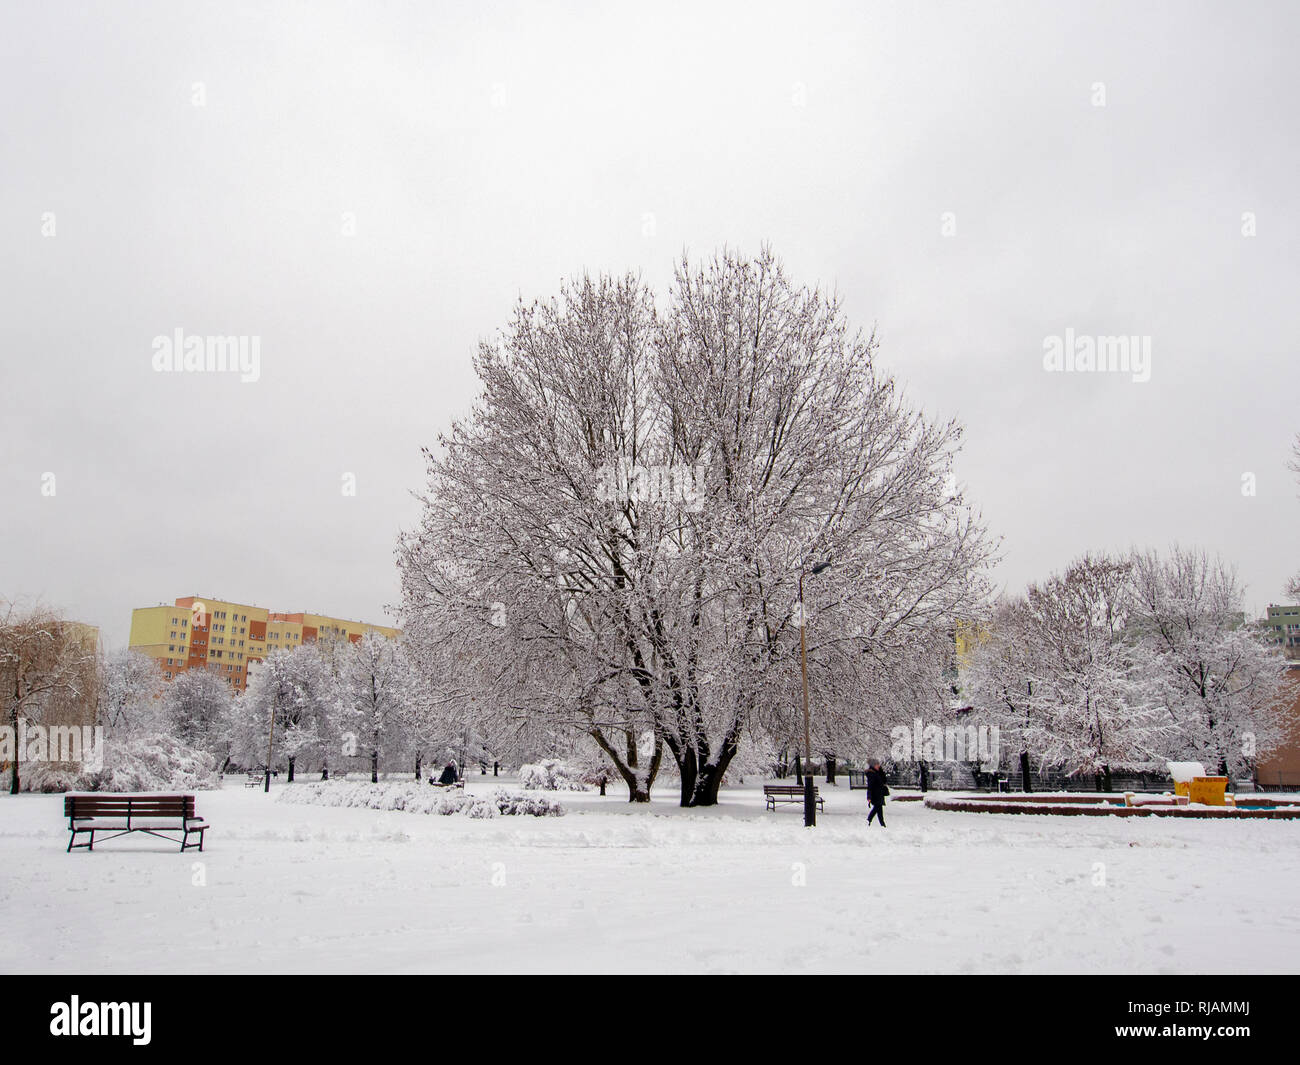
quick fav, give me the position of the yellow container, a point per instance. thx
(1208, 791)
(1181, 786)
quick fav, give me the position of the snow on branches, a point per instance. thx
(1128, 662)
(762, 438)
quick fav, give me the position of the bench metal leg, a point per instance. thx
(73, 833)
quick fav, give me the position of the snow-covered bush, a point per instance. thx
(511, 802)
(552, 775)
(151, 762)
(416, 798)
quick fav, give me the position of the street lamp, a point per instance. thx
(270, 744)
(809, 795)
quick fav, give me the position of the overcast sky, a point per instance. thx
(196, 166)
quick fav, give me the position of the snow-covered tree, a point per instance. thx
(1000, 676)
(1226, 679)
(613, 539)
(45, 661)
(196, 711)
(1293, 585)
(1096, 697)
(381, 698)
(130, 692)
(298, 691)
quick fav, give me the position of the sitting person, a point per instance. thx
(448, 775)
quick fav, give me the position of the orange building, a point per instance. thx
(1281, 768)
(198, 632)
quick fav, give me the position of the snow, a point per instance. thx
(1185, 772)
(612, 887)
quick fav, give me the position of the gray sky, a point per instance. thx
(485, 151)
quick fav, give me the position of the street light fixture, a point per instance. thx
(809, 792)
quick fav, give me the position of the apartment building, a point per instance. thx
(1283, 623)
(231, 638)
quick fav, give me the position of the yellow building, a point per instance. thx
(967, 636)
(230, 637)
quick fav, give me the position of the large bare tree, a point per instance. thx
(613, 538)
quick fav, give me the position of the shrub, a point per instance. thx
(151, 762)
(552, 775)
(414, 798)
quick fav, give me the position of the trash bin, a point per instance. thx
(1208, 791)
(1183, 774)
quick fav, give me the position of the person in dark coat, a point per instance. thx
(448, 775)
(877, 789)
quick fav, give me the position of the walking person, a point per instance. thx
(877, 789)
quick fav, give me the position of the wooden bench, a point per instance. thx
(255, 780)
(120, 814)
(775, 793)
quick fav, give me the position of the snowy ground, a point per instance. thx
(615, 888)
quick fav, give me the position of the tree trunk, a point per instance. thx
(374, 767)
(689, 769)
(419, 757)
(637, 791)
(925, 777)
(1025, 784)
(13, 724)
(798, 769)
(830, 769)
(710, 777)
(290, 778)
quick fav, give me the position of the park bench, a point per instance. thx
(775, 793)
(120, 814)
(255, 780)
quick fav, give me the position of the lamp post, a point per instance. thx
(809, 791)
(270, 743)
